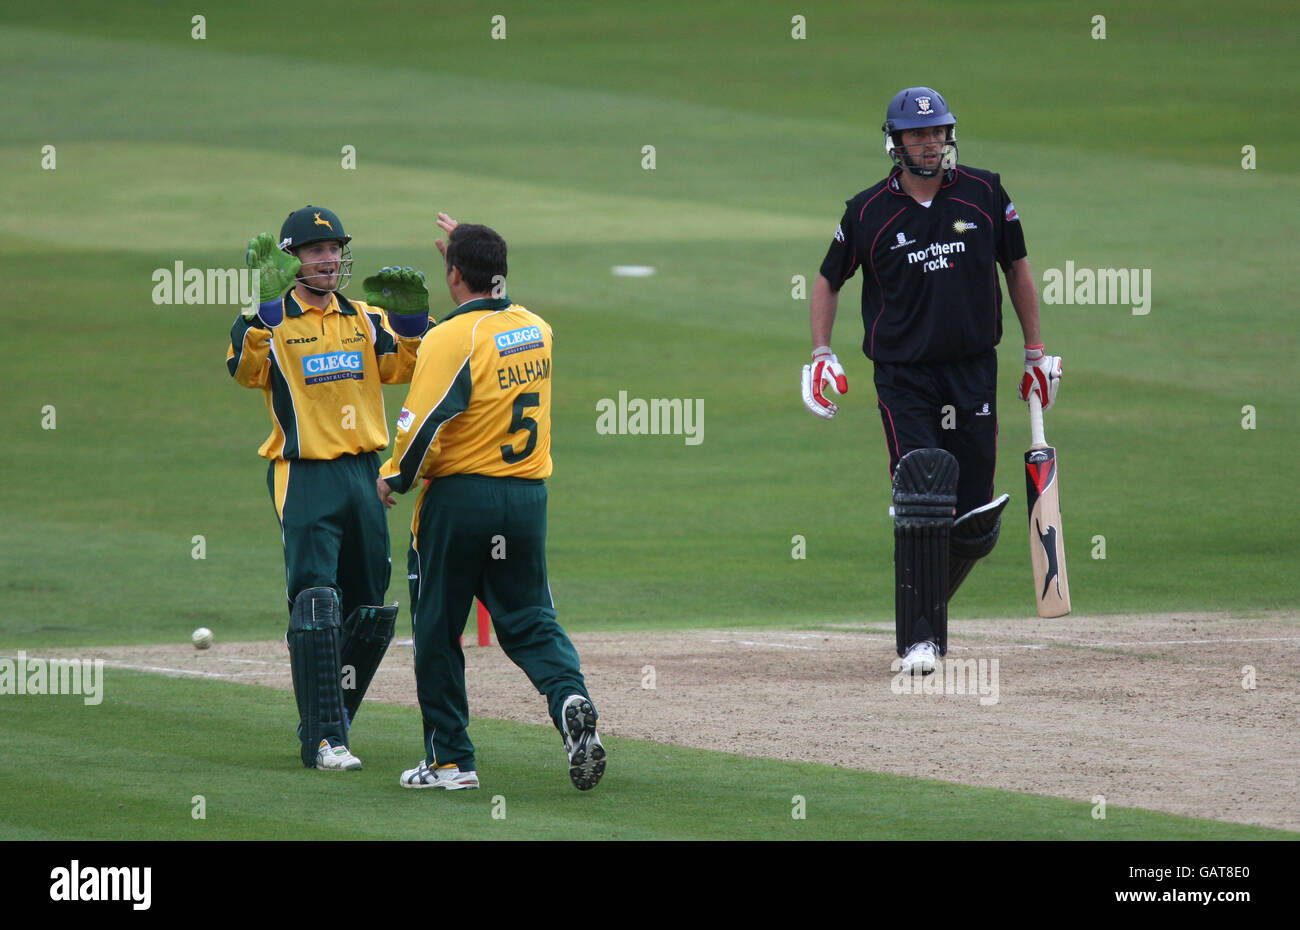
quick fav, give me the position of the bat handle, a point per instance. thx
(1037, 439)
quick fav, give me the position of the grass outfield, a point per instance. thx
(1120, 153)
(172, 740)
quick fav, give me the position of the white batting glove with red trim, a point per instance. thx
(824, 372)
(1042, 376)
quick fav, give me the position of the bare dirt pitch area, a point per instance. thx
(1157, 712)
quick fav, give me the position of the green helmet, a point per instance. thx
(311, 224)
(317, 224)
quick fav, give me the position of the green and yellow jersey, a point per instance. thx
(320, 372)
(480, 399)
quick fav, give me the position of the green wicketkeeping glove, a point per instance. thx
(276, 268)
(397, 290)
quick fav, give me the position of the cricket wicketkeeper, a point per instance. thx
(930, 238)
(319, 359)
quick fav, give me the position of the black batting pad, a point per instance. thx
(925, 500)
(973, 537)
(314, 635)
(366, 635)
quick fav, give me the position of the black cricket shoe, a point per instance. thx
(586, 754)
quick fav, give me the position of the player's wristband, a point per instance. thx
(409, 325)
(272, 312)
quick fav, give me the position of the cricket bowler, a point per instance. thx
(475, 437)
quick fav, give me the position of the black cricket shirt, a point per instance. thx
(930, 290)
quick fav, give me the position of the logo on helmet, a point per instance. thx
(923, 106)
(321, 222)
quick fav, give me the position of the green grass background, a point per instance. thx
(1122, 152)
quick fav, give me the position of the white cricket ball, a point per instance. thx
(201, 638)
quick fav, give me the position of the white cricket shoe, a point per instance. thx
(586, 754)
(920, 659)
(335, 758)
(449, 777)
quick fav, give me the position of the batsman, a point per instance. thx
(319, 359)
(930, 238)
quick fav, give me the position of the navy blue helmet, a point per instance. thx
(919, 108)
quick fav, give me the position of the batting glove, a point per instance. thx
(824, 372)
(1042, 376)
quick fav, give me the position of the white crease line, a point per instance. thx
(245, 675)
(996, 648)
(1174, 642)
(249, 661)
(166, 671)
(746, 642)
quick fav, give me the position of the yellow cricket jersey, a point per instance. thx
(480, 400)
(320, 372)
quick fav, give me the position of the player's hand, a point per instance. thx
(385, 493)
(447, 223)
(397, 290)
(275, 267)
(1042, 376)
(824, 372)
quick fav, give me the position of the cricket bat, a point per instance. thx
(1046, 540)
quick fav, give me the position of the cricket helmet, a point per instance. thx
(317, 224)
(919, 108)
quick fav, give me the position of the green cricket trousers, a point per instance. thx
(334, 527)
(484, 537)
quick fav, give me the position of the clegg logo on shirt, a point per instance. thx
(963, 226)
(519, 340)
(332, 366)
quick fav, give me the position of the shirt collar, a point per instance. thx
(293, 308)
(949, 179)
(479, 303)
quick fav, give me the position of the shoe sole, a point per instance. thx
(587, 759)
(444, 785)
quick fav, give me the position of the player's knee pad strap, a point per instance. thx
(366, 635)
(314, 636)
(925, 498)
(973, 537)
